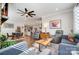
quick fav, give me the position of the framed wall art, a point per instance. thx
(55, 24)
(8, 25)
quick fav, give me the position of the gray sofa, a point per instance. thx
(18, 49)
(66, 49)
(22, 49)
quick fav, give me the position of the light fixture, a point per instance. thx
(26, 15)
(56, 9)
(45, 26)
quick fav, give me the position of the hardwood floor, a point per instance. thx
(29, 40)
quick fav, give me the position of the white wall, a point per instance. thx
(66, 18)
(12, 18)
(16, 19)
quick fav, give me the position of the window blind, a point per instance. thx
(76, 19)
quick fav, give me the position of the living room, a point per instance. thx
(41, 26)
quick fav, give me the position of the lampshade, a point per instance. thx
(45, 24)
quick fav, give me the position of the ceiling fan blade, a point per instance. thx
(19, 13)
(26, 9)
(30, 15)
(31, 12)
(20, 10)
(23, 14)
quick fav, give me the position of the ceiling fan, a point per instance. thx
(26, 13)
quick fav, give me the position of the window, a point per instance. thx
(76, 19)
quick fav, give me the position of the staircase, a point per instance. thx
(3, 19)
(4, 13)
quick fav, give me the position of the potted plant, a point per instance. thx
(2, 39)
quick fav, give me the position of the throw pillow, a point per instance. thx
(71, 38)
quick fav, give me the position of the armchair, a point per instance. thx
(58, 36)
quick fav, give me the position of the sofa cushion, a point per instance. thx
(11, 51)
(15, 49)
(21, 46)
(30, 51)
(65, 49)
(67, 42)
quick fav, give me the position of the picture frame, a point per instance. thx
(8, 25)
(55, 24)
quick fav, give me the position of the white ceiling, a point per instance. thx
(41, 9)
(44, 8)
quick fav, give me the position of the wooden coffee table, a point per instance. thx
(44, 42)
